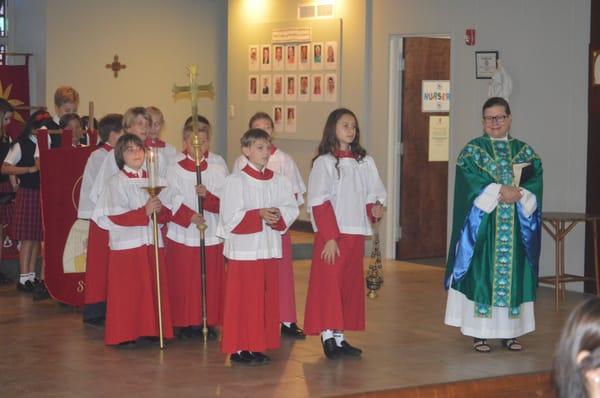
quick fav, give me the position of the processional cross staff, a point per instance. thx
(194, 89)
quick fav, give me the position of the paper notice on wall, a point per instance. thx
(439, 136)
(291, 35)
(435, 96)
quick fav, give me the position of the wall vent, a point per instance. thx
(315, 10)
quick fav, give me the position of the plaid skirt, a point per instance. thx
(27, 218)
(7, 209)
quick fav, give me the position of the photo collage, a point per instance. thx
(290, 74)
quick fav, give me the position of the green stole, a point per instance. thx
(500, 273)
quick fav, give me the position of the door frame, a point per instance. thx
(392, 230)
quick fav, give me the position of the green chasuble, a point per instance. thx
(493, 257)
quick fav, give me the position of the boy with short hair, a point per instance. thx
(257, 207)
(183, 238)
(110, 129)
(66, 100)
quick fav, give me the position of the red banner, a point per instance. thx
(65, 237)
(14, 87)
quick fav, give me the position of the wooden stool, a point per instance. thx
(556, 226)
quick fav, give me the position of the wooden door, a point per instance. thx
(423, 184)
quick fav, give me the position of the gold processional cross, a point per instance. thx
(194, 90)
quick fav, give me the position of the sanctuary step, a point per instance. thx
(512, 386)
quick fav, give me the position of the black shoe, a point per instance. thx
(127, 344)
(349, 350)
(243, 358)
(331, 350)
(261, 358)
(292, 331)
(212, 334)
(26, 287)
(40, 292)
(184, 333)
(4, 279)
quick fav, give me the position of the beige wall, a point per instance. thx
(155, 39)
(27, 25)
(544, 46)
(242, 15)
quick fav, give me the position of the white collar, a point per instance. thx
(139, 173)
(505, 138)
(256, 168)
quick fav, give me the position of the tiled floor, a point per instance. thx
(46, 350)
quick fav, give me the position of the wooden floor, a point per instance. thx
(46, 351)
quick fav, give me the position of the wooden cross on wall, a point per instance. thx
(116, 66)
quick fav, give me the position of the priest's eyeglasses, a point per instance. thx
(495, 119)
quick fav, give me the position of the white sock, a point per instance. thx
(23, 278)
(31, 276)
(287, 324)
(339, 337)
(326, 334)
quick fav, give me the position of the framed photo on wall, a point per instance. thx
(290, 119)
(265, 87)
(253, 57)
(331, 87)
(265, 57)
(304, 88)
(253, 88)
(331, 55)
(278, 86)
(317, 58)
(486, 63)
(278, 58)
(316, 88)
(278, 118)
(290, 57)
(290, 88)
(304, 61)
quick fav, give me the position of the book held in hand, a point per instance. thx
(521, 173)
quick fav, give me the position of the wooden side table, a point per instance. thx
(558, 225)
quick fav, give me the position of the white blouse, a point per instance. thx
(242, 193)
(282, 163)
(183, 183)
(357, 185)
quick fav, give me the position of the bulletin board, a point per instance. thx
(293, 72)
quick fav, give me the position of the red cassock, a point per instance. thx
(184, 272)
(183, 246)
(253, 248)
(185, 287)
(336, 292)
(251, 311)
(132, 305)
(96, 266)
